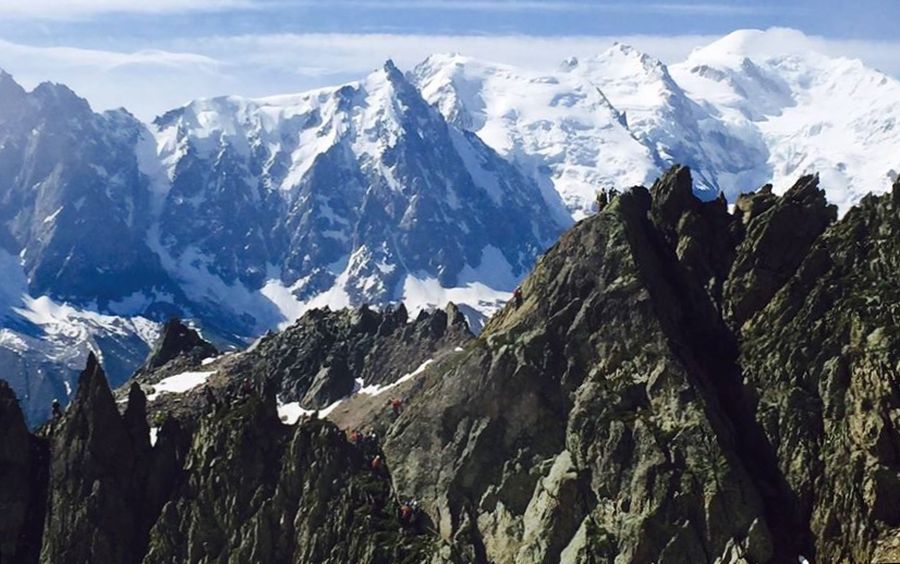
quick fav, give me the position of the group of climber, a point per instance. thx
(604, 195)
(408, 511)
(367, 442)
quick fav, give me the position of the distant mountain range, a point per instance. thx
(441, 184)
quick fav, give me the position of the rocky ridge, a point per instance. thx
(679, 384)
(325, 354)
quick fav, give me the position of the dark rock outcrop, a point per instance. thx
(703, 234)
(823, 361)
(589, 422)
(95, 492)
(624, 377)
(319, 359)
(178, 340)
(779, 235)
(23, 482)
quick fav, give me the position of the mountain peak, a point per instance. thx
(384, 82)
(759, 45)
(624, 62)
(389, 66)
(441, 60)
(9, 88)
(60, 97)
(624, 48)
(178, 339)
(625, 52)
(6, 77)
(393, 74)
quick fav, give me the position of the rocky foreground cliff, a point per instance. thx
(680, 383)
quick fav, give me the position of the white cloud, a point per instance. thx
(104, 60)
(80, 9)
(150, 82)
(66, 9)
(145, 82)
(709, 8)
(355, 53)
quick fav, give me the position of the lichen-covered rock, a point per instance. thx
(260, 491)
(823, 359)
(608, 359)
(318, 359)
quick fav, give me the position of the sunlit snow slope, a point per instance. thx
(814, 113)
(753, 107)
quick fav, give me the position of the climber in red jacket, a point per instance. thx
(517, 296)
(396, 406)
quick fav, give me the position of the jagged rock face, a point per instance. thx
(596, 401)
(695, 385)
(779, 234)
(319, 359)
(178, 340)
(23, 479)
(703, 234)
(242, 487)
(259, 491)
(72, 198)
(94, 489)
(822, 359)
(698, 386)
(107, 484)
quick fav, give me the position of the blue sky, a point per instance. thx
(156, 54)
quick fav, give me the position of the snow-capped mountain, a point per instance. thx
(444, 184)
(814, 113)
(242, 214)
(671, 124)
(361, 193)
(752, 108)
(560, 128)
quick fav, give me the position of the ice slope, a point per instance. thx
(671, 124)
(815, 113)
(558, 127)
